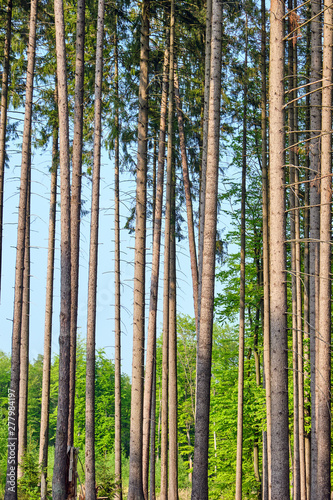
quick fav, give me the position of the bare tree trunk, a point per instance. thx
(239, 455)
(13, 394)
(76, 204)
(152, 487)
(44, 424)
(24, 349)
(135, 491)
(3, 117)
(278, 298)
(323, 380)
(204, 353)
(117, 365)
(60, 453)
(166, 293)
(151, 342)
(173, 418)
(93, 259)
(315, 126)
(189, 208)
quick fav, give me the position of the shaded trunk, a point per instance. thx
(93, 259)
(44, 424)
(135, 491)
(13, 392)
(76, 204)
(204, 353)
(59, 481)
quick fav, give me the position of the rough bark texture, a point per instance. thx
(135, 491)
(151, 341)
(76, 204)
(323, 380)
(11, 480)
(44, 424)
(60, 453)
(3, 117)
(278, 302)
(93, 258)
(204, 354)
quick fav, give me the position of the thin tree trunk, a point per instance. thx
(60, 452)
(204, 353)
(3, 117)
(135, 491)
(151, 342)
(93, 258)
(323, 380)
(278, 302)
(189, 208)
(44, 424)
(76, 204)
(239, 454)
(315, 126)
(152, 487)
(173, 418)
(166, 292)
(24, 349)
(265, 250)
(117, 365)
(13, 394)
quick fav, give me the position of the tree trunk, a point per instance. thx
(239, 455)
(315, 126)
(135, 491)
(13, 393)
(76, 204)
(323, 381)
(189, 208)
(24, 349)
(278, 302)
(3, 117)
(151, 342)
(117, 365)
(60, 452)
(93, 258)
(204, 353)
(44, 424)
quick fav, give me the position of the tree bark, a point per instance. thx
(44, 424)
(60, 452)
(204, 353)
(93, 260)
(323, 380)
(135, 490)
(76, 204)
(278, 302)
(13, 394)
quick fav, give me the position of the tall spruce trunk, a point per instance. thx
(323, 380)
(90, 482)
(13, 392)
(277, 268)
(135, 490)
(44, 424)
(117, 364)
(166, 279)
(314, 153)
(24, 349)
(3, 116)
(204, 353)
(60, 452)
(239, 454)
(76, 204)
(151, 341)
